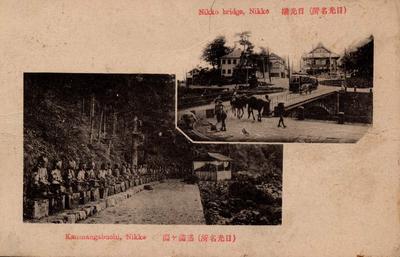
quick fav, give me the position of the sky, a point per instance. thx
(285, 36)
(166, 36)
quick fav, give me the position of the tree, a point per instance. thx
(244, 40)
(213, 52)
(359, 62)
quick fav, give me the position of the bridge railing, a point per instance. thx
(291, 98)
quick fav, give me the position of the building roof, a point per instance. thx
(219, 157)
(236, 53)
(213, 156)
(320, 51)
(275, 56)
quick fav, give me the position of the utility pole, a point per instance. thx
(263, 60)
(269, 69)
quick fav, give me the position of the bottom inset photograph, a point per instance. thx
(222, 185)
(103, 149)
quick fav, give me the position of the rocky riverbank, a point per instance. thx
(242, 202)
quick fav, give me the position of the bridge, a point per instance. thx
(289, 99)
(293, 100)
(325, 104)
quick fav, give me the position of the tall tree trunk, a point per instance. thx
(92, 119)
(83, 107)
(100, 124)
(124, 126)
(105, 122)
(114, 131)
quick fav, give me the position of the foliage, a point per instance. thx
(360, 61)
(57, 119)
(214, 50)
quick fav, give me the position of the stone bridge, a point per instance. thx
(356, 107)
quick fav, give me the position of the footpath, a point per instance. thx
(169, 202)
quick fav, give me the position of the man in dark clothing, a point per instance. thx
(281, 111)
(267, 110)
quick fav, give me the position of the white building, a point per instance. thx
(213, 166)
(278, 66)
(319, 60)
(229, 62)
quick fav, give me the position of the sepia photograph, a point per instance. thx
(200, 128)
(103, 148)
(242, 90)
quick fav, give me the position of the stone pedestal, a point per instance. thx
(117, 188)
(103, 192)
(111, 190)
(341, 117)
(72, 200)
(95, 194)
(37, 208)
(56, 203)
(84, 197)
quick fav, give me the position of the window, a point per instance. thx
(223, 61)
(229, 71)
(234, 61)
(223, 71)
(229, 61)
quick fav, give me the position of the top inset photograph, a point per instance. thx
(241, 90)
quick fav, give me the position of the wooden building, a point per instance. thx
(213, 167)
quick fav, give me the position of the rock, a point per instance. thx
(94, 194)
(110, 202)
(37, 208)
(148, 187)
(213, 205)
(70, 218)
(87, 211)
(250, 203)
(82, 215)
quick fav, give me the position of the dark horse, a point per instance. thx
(254, 103)
(238, 104)
(221, 117)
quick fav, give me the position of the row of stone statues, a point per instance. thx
(72, 177)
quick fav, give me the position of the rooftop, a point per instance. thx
(213, 156)
(236, 53)
(320, 51)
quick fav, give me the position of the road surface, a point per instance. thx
(171, 202)
(306, 131)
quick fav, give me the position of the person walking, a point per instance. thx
(267, 110)
(281, 112)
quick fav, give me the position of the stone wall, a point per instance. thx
(357, 106)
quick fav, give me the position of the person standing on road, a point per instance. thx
(281, 112)
(267, 110)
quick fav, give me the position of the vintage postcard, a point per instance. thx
(200, 128)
